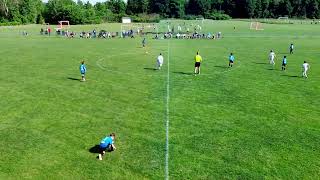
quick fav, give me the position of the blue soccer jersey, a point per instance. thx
(231, 58)
(284, 61)
(106, 142)
(83, 69)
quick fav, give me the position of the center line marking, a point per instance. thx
(167, 115)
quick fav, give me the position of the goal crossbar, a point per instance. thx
(256, 26)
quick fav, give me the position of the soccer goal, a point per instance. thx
(283, 19)
(63, 25)
(150, 28)
(201, 20)
(126, 20)
(256, 26)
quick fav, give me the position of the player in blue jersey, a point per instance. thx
(106, 144)
(231, 60)
(83, 71)
(284, 63)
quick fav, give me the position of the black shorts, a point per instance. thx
(102, 149)
(197, 64)
(108, 149)
(231, 62)
(284, 65)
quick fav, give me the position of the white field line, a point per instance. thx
(167, 116)
(98, 63)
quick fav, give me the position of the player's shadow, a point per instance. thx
(184, 73)
(261, 63)
(290, 76)
(273, 69)
(94, 149)
(74, 79)
(151, 69)
(218, 66)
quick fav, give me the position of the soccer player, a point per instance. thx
(198, 60)
(231, 59)
(272, 56)
(83, 71)
(159, 61)
(144, 42)
(305, 68)
(291, 48)
(284, 63)
(106, 144)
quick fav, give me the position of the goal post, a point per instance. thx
(200, 20)
(284, 19)
(256, 26)
(139, 28)
(126, 20)
(63, 25)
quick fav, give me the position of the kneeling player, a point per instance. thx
(106, 144)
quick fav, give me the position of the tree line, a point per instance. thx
(35, 11)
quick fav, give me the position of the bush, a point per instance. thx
(219, 16)
(191, 17)
(10, 23)
(146, 18)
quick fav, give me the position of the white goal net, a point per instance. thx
(256, 26)
(201, 20)
(283, 19)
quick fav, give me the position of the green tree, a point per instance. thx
(312, 9)
(116, 6)
(265, 7)
(159, 7)
(199, 7)
(28, 10)
(176, 8)
(229, 7)
(57, 10)
(137, 6)
(216, 5)
(100, 10)
(89, 14)
(258, 9)
(251, 8)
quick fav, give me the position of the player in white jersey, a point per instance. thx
(159, 61)
(272, 56)
(305, 68)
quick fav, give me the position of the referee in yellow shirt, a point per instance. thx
(198, 60)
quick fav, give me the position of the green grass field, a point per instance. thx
(248, 122)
